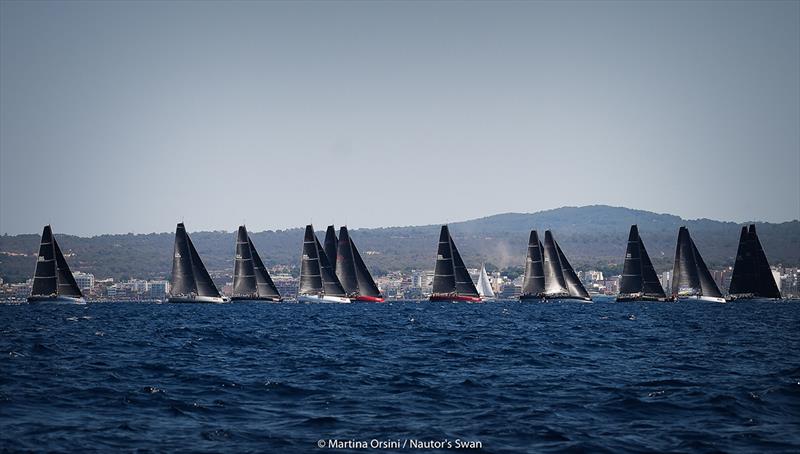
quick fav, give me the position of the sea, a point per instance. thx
(500, 377)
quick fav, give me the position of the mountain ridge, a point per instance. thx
(592, 236)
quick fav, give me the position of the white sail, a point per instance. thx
(484, 286)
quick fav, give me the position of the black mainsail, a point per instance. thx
(555, 286)
(351, 270)
(189, 276)
(266, 287)
(310, 275)
(52, 276)
(244, 275)
(444, 278)
(331, 246)
(533, 284)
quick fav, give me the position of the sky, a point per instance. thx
(130, 117)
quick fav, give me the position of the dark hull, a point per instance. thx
(455, 298)
(532, 298)
(632, 298)
(260, 299)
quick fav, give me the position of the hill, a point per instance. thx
(593, 237)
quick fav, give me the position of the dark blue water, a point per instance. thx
(553, 377)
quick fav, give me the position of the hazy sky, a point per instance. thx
(128, 117)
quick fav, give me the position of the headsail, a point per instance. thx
(205, 286)
(244, 276)
(484, 286)
(464, 284)
(574, 285)
(66, 282)
(330, 283)
(553, 273)
(651, 286)
(534, 283)
(766, 285)
(444, 279)
(310, 277)
(45, 282)
(707, 285)
(266, 287)
(366, 285)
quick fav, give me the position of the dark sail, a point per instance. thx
(331, 246)
(574, 285)
(366, 285)
(345, 263)
(266, 287)
(766, 287)
(684, 270)
(707, 285)
(444, 279)
(651, 286)
(533, 282)
(66, 282)
(202, 280)
(553, 274)
(464, 284)
(310, 278)
(244, 276)
(45, 282)
(631, 281)
(743, 280)
(182, 281)
(330, 283)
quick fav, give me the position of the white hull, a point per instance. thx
(710, 299)
(56, 299)
(197, 299)
(321, 299)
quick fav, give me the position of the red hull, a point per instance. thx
(369, 299)
(466, 299)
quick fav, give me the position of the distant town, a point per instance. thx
(396, 285)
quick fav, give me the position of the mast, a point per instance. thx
(345, 263)
(553, 273)
(310, 277)
(202, 280)
(366, 285)
(264, 284)
(766, 285)
(182, 281)
(464, 284)
(45, 282)
(684, 271)
(444, 279)
(330, 283)
(533, 282)
(331, 246)
(66, 281)
(574, 285)
(484, 286)
(743, 280)
(707, 285)
(651, 286)
(244, 276)
(631, 281)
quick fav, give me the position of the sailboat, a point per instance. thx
(533, 283)
(318, 282)
(353, 273)
(483, 286)
(752, 276)
(560, 279)
(52, 280)
(691, 279)
(639, 280)
(251, 281)
(190, 281)
(451, 280)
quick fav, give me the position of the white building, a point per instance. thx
(85, 281)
